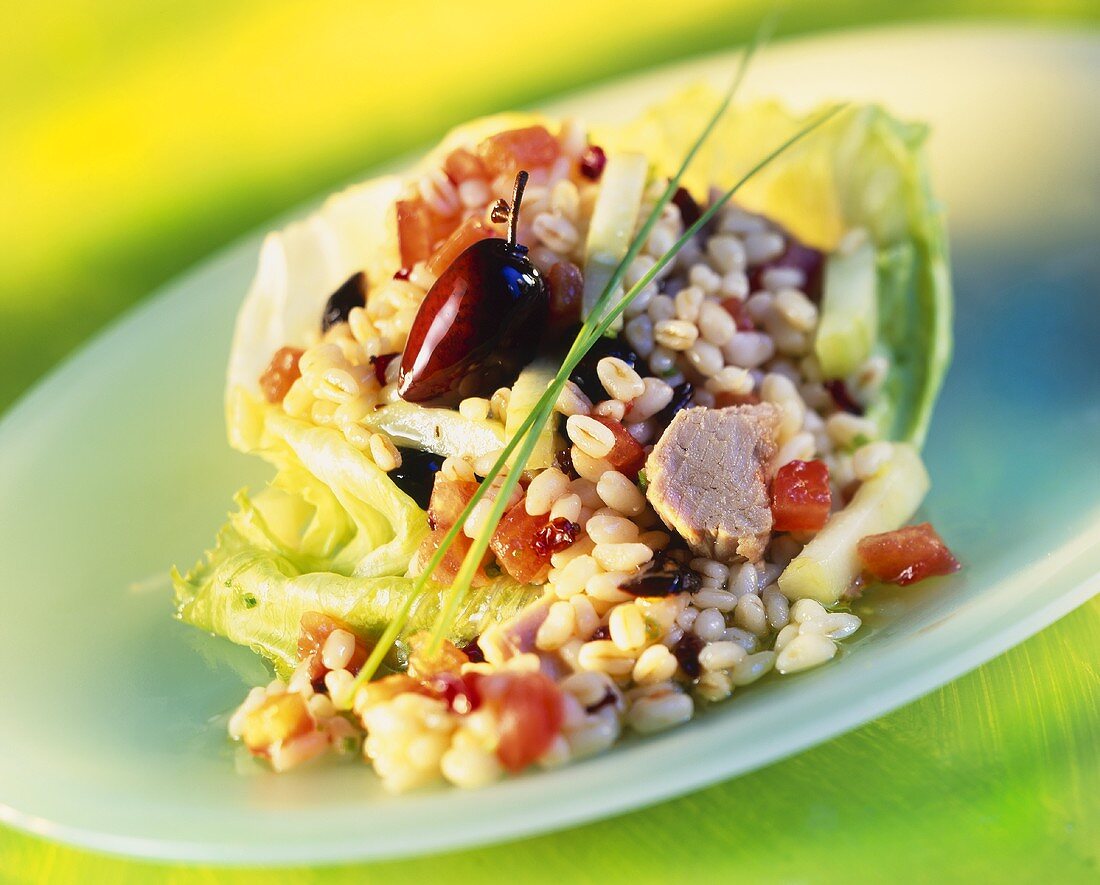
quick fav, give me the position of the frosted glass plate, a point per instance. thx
(116, 467)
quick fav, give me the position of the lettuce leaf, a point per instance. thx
(863, 169)
(329, 507)
(331, 533)
(255, 596)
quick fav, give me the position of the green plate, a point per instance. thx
(116, 467)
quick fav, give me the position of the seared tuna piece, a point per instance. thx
(708, 479)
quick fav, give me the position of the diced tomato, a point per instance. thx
(414, 237)
(313, 630)
(523, 546)
(447, 569)
(449, 499)
(280, 373)
(736, 308)
(507, 152)
(461, 165)
(448, 659)
(627, 455)
(279, 718)
(459, 692)
(801, 497)
(418, 230)
(724, 400)
(907, 555)
(530, 711)
(465, 235)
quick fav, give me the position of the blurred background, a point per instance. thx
(138, 136)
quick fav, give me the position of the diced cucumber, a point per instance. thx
(614, 218)
(442, 431)
(848, 326)
(528, 388)
(826, 567)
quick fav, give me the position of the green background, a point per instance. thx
(136, 138)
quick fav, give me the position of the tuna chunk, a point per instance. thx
(708, 479)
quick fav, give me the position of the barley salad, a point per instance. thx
(578, 430)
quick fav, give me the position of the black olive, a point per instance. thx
(609, 699)
(473, 651)
(416, 475)
(687, 653)
(664, 577)
(352, 293)
(584, 375)
(689, 209)
(479, 324)
(842, 397)
(799, 256)
(681, 398)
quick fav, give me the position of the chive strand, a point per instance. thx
(759, 38)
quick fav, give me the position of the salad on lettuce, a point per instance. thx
(571, 437)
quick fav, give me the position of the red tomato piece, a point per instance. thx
(507, 152)
(414, 232)
(448, 501)
(735, 307)
(418, 231)
(448, 659)
(907, 555)
(461, 165)
(523, 546)
(530, 711)
(465, 235)
(313, 630)
(627, 455)
(801, 497)
(457, 692)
